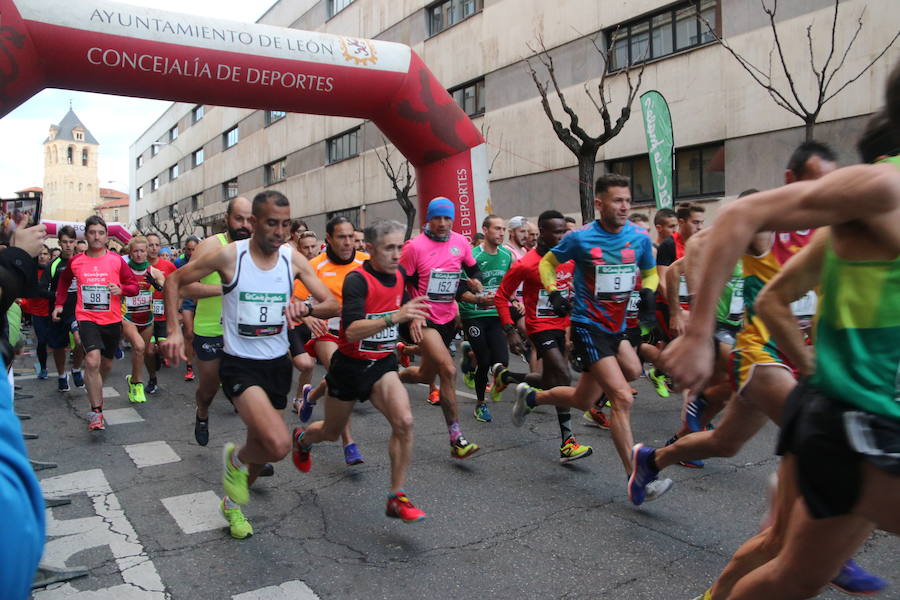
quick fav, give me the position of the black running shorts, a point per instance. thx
(297, 338)
(591, 344)
(208, 348)
(447, 331)
(104, 338)
(544, 341)
(351, 379)
(237, 375)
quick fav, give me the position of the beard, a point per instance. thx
(241, 233)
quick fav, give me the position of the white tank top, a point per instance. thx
(253, 303)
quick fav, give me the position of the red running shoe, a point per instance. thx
(399, 507)
(402, 356)
(301, 456)
(596, 418)
(434, 397)
(189, 373)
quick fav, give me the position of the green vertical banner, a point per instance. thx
(660, 146)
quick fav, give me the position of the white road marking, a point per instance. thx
(109, 527)
(196, 512)
(150, 454)
(120, 416)
(459, 393)
(291, 590)
(110, 392)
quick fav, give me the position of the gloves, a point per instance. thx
(149, 279)
(647, 308)
(561, 305)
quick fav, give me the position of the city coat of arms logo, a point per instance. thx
(360, 52)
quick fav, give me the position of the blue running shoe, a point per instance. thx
(120, 354)
(352, 455)
(305, 409)
(694, 412)
(853, 579)
(483, 414)
(690, 464)
(641, 473)
(78, 378)
(63, 383)
(42, 374)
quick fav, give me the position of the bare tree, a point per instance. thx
(402, 181)
(574, 136)
(174, 229)
(826, 87)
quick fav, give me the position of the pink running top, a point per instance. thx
(438, 266)
(93, 276)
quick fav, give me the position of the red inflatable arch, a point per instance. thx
(127, 50)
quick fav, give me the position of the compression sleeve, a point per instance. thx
(507, 290)
(547, 268)
(649, 279)
(473, 271)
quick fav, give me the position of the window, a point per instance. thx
(638, 170)
(677, 28)
(276, 171)
(343, 146)
(84, 157)
(173, 172)
(230, 189)
(197, 157)
(697, 174)
(140, 193)
(450, 12)
(336, 6)
(115, 214)
(70, 155)
(195, 202)
(140, 161)
(470, 97)
(274, 115)
(197, 113)
(154, 149)
(173, 134)
(351, 213)
(79, 136)
(230, 137)
(154, 184)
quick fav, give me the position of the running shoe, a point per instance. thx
(694, 412)
(853, 579)
(659, 383)
(399, 507)
(434, 397)
(78, 379)
(96, 421)
(596, 418)
(634, 392)
(63, 383)
(189, 373)
(305, 406)
(301, 456)
(139, 396)
(462, 448)
(201, 431)
(268, 470)
(352, 455)
(238, 525)
(402, 356)
(572, 450)
(469, 379)
(120, 354)
(498, 370)
(657, 488)
(234, 480)
(520, 406)
(483, 413)
(690, 464)
(42, 374)
(151, 387)
(641, 473)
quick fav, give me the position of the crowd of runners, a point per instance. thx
(784, 310)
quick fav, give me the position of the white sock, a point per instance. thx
(64, 375)
(236, 462)
(229, 503)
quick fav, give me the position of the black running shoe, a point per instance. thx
(201, 431)
(267, 471)
(151, 387)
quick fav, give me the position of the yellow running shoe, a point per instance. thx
(234, 480)
(238, 524)
(462, 448)
(572, 450)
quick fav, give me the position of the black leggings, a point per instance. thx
(488, 341)
(41, 328)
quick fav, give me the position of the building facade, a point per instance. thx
(729, 134)
(71, 185)
(114, 206)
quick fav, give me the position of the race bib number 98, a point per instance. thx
(442, 286)
(261, 313)
(95, 298)
(383, 341)
(614, 283)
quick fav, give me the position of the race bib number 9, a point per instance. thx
(383, 341)
(95, 298)
(139, 303)
(159, 307)
(614, 283)
(442, 286)
(261, 314)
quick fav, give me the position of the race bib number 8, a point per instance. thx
(383, 341)
(139, 303)
(261, 314)
(614, 283)
(442, 286)
(95, 298)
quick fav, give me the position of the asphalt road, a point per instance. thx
(509, 523)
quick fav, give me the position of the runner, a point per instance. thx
(38, 308)
(546, 330)
(207, 338)
(62, 327)
(103, 278)
(137, 323)
(153, 357)
(840, 476)
(256, 276)
(480, 322)
(331, 267)
(309, 245)
(359, 242)
(517, 227)
(666, 223)
(365, 366)
(433, 260)
(607, 256)
(188, 309)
